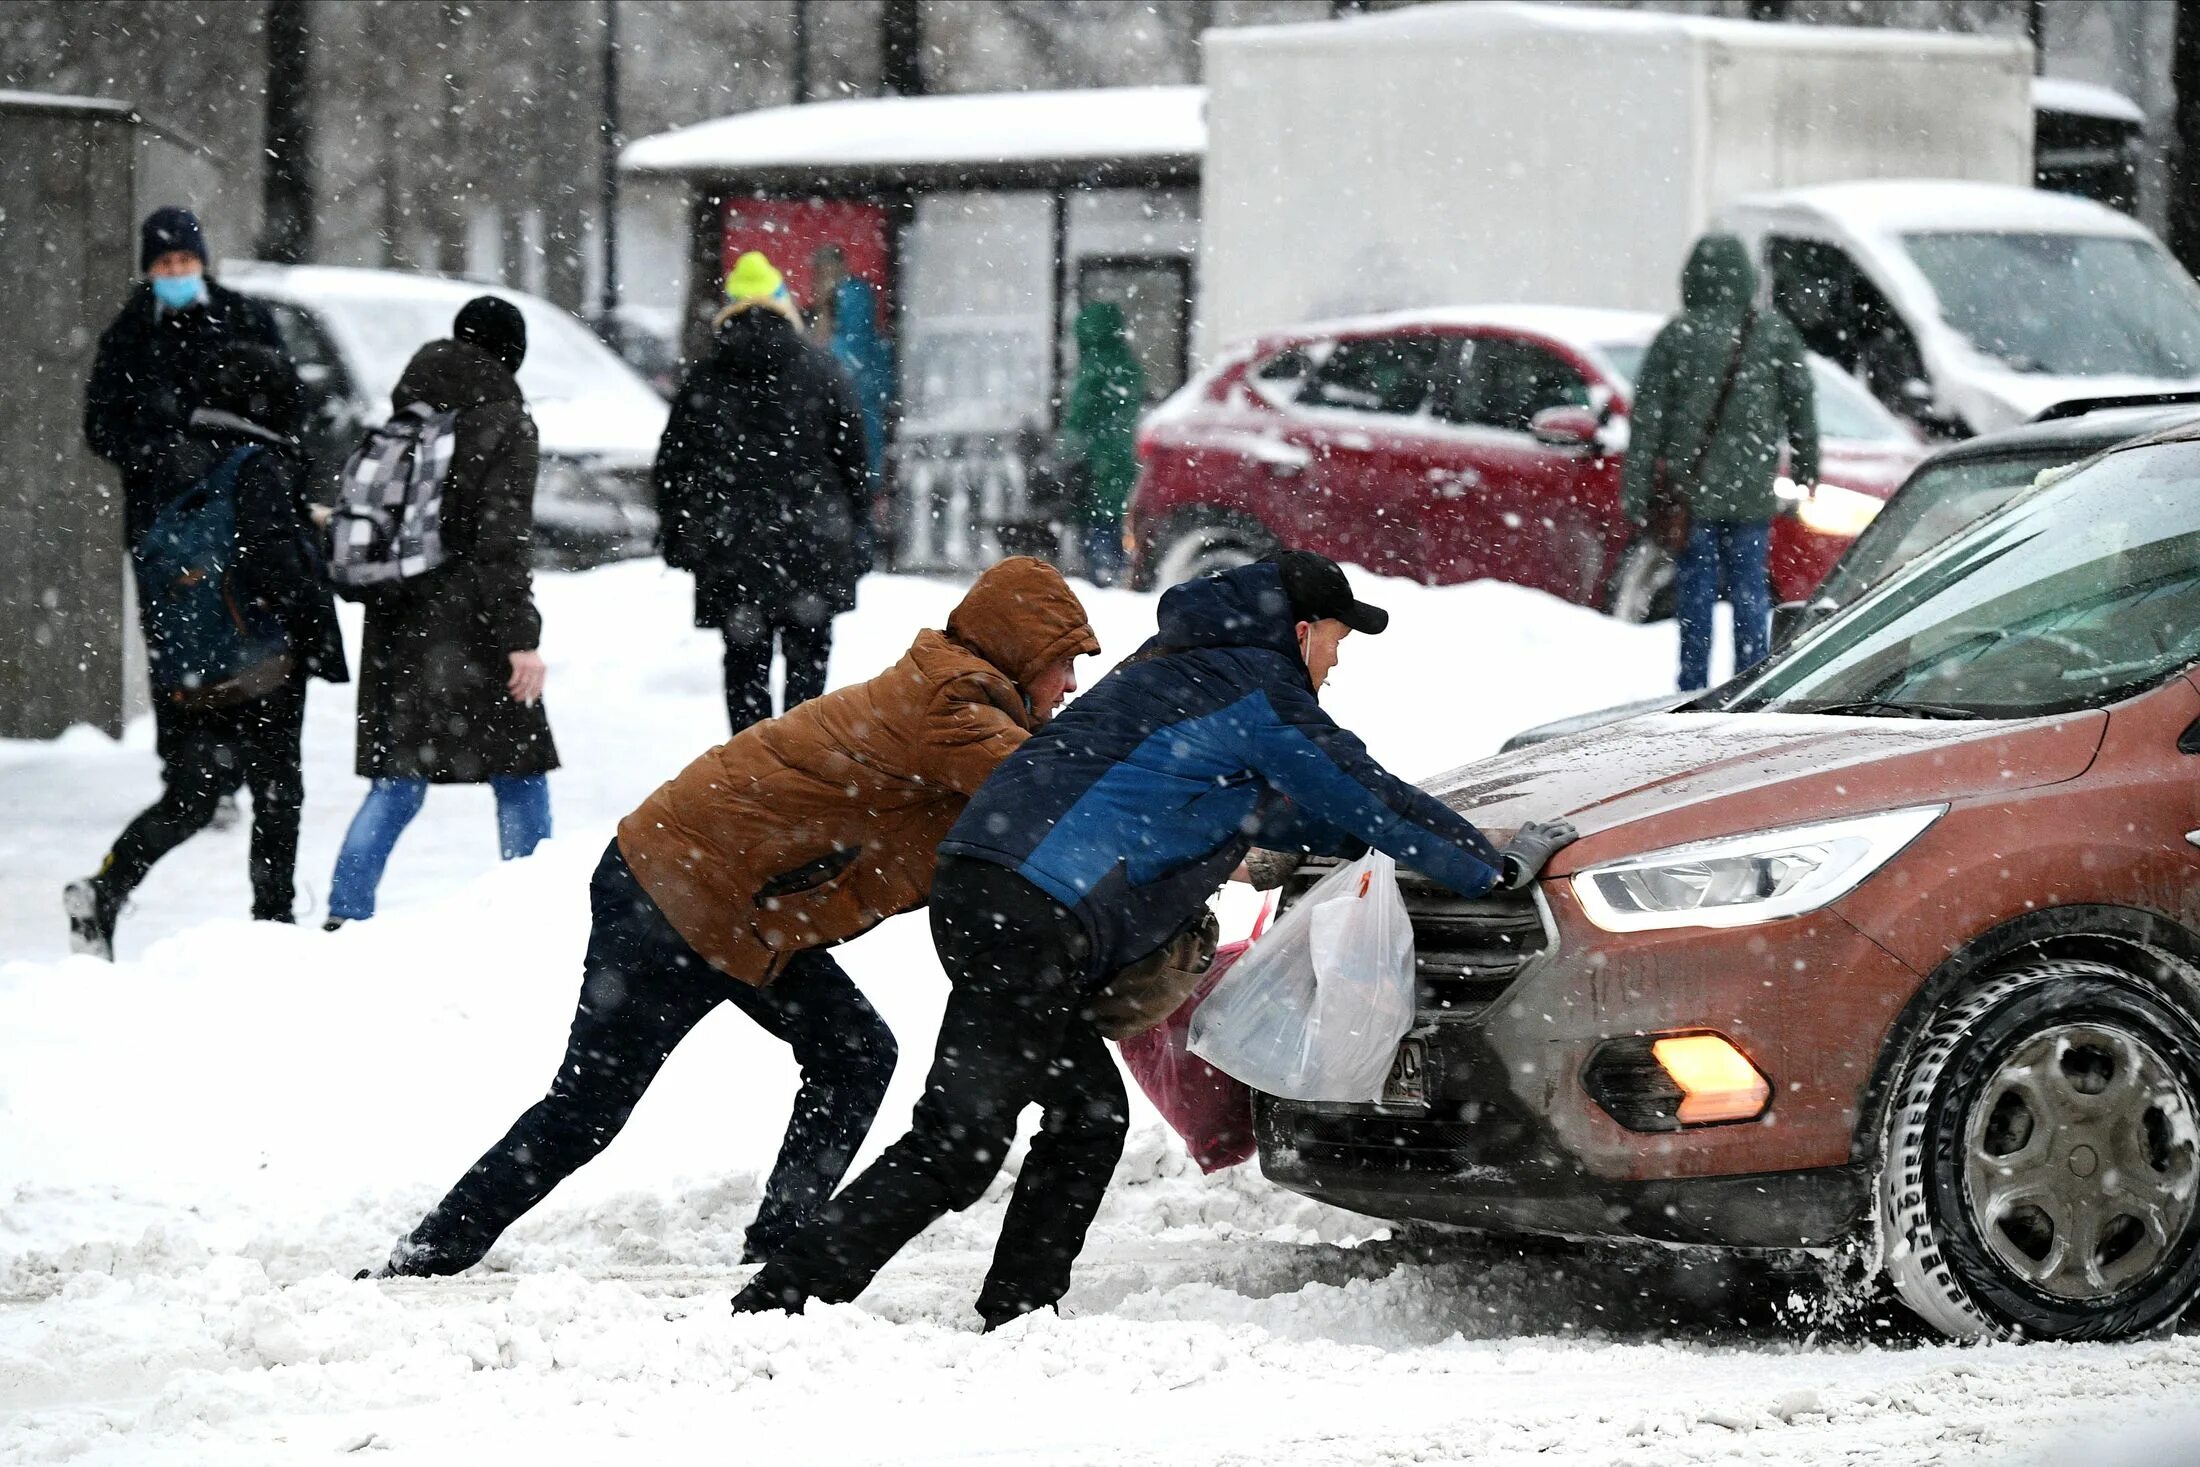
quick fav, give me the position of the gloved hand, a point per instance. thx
(1531, 846)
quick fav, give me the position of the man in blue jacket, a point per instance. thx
(1090, 848)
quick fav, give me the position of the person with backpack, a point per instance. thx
(1724, 387)
(1094, 845)
(150, 374)
(763, 491)
(736, 878)
(450, 684)
(237, 617)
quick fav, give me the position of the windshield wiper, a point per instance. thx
(1873, 706)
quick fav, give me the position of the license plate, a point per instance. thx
(1407, 1083)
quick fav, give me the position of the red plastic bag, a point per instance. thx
(1211, 1111)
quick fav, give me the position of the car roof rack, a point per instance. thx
(2078, 407)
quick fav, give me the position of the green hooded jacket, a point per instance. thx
(1771, 403)
(1101, 425)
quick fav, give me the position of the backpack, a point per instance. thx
(209, 643)
(388, 522)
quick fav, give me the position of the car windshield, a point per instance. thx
(2081, 594)
(2077, 305)
(1938, 501)
(1845, 410)
(565, 360)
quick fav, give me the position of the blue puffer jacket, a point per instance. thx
(1141, 797)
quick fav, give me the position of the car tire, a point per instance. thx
(1204, 546)
(1642, 584)
(2039, 1174)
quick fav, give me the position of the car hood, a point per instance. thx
(616, 429)
(2002, 399)
(1668, 778)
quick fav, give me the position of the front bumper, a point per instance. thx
(1506, 1137)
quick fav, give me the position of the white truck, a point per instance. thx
(1455, 154)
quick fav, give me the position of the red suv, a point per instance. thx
(1889, 948)
(1461, 445)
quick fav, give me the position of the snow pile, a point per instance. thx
(200, 1144)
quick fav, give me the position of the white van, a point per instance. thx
(1969, 307)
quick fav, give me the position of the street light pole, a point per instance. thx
(610, 201)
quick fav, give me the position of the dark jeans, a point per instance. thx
(642, 990)
(805, 644)
(207, 753)
(1738, 550)
(1011, 1035)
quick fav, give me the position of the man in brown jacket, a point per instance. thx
(733, 880)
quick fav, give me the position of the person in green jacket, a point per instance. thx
(1099, 432)
(1723, 389)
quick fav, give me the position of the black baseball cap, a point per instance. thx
(1318, 589)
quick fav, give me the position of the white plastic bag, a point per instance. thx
(1315, 1009)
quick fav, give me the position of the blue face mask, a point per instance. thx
(179, 292)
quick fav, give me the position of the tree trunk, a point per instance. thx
(286, 177)
(2184, 170)
(901, 48)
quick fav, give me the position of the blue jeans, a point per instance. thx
(523, 822)
(1104, 557)
(1738, 549)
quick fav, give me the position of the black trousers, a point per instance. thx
(1011, 1036)
(642, 990)
(205, 754)
(806, 642)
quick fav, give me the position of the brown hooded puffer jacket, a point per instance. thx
(817, 825)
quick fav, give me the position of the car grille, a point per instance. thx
(1467, 950)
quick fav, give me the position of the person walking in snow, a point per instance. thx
(1093, 846)
(733, 882)
(1724, 387)
(845, 322)
(763, 491)
(450, 686)
(1100, 436)
(239, 442)
(150, 374)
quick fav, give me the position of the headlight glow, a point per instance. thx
(1739, 880)
(1832, 510)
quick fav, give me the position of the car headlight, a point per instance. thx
(1738, 880)
(1832, 510)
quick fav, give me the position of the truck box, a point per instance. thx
(1486, 153)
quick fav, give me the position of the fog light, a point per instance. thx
(1663, 1083)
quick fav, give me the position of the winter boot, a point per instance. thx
(226, 813)
(333, 923)
(770, 1289)
(92, 910)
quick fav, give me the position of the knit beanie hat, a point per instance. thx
(171, 227)
(755, 281)
(495, 325)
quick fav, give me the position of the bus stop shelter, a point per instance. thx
(983, 222)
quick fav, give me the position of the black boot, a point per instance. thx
(92, 909)
(771, 1289)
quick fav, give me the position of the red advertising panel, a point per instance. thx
(792, 231)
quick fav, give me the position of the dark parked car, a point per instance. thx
(1889, 948)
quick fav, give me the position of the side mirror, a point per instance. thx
(1565, 427)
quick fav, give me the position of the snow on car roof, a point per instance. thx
(1091, 124)
(1571, 323)
(1913, 205)
(2084, 99)
(324, 282)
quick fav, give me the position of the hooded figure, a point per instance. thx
(732, 881)
(450, 684)
(1100, 431)
(1093, 846)
(1724, 388)
(763, 491)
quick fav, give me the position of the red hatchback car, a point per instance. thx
(1889, 948)
(1461, 445)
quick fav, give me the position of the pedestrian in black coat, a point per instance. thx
(150, 375)
(250, 402)
(763, 491)
(450, 683)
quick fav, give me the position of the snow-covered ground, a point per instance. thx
(200, 1144)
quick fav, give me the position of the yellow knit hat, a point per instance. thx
(755, 281)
